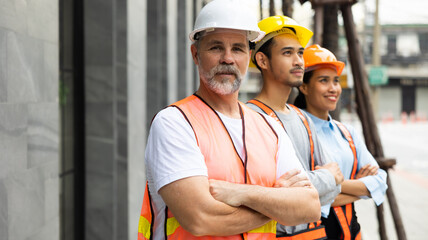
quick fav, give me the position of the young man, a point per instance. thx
(212, 163)
(279, 57)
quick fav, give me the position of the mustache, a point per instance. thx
(225, 69)
(297, 68)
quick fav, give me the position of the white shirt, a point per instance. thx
(172, 153)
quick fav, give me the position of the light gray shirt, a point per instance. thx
(322, 179)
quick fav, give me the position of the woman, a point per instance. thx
(318, 95)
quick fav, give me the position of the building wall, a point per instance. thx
(106, 119)
(137, 82)
(389, 103)
(422, 102)
(29, 120)
(136, 60)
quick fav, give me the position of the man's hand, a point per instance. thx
(334, 169)
(293, 179)
(367, 170)
(225, 192)
(199, 213)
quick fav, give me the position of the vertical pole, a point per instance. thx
(365, 110)
(272, 8)
(376, 58)
(364, 107)
(376, 34)
(381, 221)
(318, 24)
(399, 227)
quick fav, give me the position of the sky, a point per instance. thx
(401, 12)
(390, 11)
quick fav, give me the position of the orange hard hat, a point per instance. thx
(316, 56)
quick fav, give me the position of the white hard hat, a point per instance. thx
(227, 14)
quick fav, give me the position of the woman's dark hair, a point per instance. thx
(300, 100)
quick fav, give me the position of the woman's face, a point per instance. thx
(322, 92)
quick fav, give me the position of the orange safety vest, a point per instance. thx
(223, 163)
(315, 230)
(345, 214)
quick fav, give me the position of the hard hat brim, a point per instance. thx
(253, 36)
(338, 65)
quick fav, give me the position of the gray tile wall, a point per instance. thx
(156, 37)
(125, 83)
(157, 48)
(106, 94)
(136, 67)
(29, 123)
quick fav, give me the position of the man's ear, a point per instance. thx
(304, 89)
(194, 51)
(262, 60)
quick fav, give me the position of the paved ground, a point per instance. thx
(408, 143)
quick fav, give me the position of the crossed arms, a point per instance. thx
(352, 189)
(219, 208)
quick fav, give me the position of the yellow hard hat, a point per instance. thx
(276, 25)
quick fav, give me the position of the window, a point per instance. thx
(423, 42)
(391, 45)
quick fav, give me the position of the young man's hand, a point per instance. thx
(293, 178)
(334, 169)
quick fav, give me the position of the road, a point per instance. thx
(408, 144)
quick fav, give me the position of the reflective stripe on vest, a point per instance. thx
(269, 111)
(344, 213)
(348, 137)
(343, 222)
(224, 163)
(146, 217)
(311, 141)
(270, 228)
(307, 233)
(266, 109)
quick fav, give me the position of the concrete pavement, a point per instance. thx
(408, 143)
(412, 198)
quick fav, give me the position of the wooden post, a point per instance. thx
(364, 107)
(365, 112)
(318, 23)
(381, 222)
(399, 227)
(272, 8)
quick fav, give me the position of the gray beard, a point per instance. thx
(222, 86)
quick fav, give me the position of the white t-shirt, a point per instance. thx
(172, 154)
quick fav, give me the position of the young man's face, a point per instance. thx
(286, 64)
(222, 60)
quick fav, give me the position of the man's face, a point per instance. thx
(286, 64)
(222, 60)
